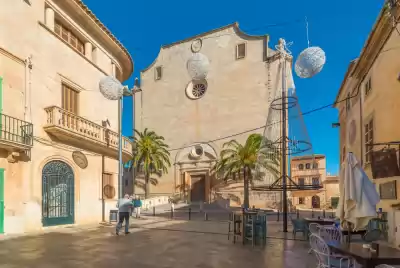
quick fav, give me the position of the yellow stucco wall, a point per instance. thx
(381, 104)
(25, 33)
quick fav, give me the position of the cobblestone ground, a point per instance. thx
(152, 243)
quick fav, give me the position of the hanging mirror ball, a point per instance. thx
(310, 62)
(111, 88)
(198, 66)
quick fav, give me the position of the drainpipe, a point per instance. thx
(103, 203)
(105, 124)
(28, 72)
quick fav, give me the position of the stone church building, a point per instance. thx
(194, 116)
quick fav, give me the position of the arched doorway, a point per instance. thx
(315, 200)
(58, 204)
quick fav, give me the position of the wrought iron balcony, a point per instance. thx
(15, 134)
(305, 172)
(80, 132)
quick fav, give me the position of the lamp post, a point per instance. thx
(136, 88)
(112, 89)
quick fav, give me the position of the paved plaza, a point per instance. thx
(153, 243)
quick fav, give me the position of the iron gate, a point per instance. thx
(58, 194)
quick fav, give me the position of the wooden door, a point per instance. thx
(198, 188)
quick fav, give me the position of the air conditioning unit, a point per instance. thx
(197, 151)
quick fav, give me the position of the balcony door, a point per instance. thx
(316, 201)
(70, 103)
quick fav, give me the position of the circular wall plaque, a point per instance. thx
(352, 131)
(196, 45)
(80, 159)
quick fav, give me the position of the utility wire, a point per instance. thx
(264, 126)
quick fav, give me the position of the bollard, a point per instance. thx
(172, 213)
(298, 214)
(154, 211)
(190, 214)
(278, 215)
(312, 213)
(205, 216)
(323, 214)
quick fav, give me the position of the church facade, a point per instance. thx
(196, 117)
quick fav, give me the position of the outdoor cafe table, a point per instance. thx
(364, 256)
(320, 221)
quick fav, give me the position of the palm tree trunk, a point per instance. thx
(246, 202)
(147, 186)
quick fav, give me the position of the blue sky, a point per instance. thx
(339, 27)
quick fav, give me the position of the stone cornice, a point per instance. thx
(378, 37)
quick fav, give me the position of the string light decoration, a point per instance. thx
(198, 66)
(310, 61)
(111, 88)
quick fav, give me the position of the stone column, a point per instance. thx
(88, 50)
(49, 18)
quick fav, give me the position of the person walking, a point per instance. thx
(132, 198)
(124, 206)
(138, 206)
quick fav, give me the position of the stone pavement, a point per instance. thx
(153, 243)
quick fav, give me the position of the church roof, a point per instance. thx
(234, 25)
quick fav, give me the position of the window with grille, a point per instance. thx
(368, 139)
(368, 87)
(315, 165)
(108, 184)
(241, 51)
(70, 100)
(302, 201)
(69, 37)
(301, 166)
(158, 73)
(308, 166)
(315, 181)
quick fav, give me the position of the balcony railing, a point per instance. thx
(305, 172)
(85, 128)
(15, 132)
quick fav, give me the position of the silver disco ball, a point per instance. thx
(111, 88)
(198, 66)
(310, 62)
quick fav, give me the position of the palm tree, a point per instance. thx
(236, 159)
(150, 157)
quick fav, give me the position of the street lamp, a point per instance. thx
(112, 89)
(136, 88)
(198, 66)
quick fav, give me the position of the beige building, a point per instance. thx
(306, 171)
(52, 55)
(193, 116)
(331, 189)
(370, 114)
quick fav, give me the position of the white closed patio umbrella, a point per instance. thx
(358, 195)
